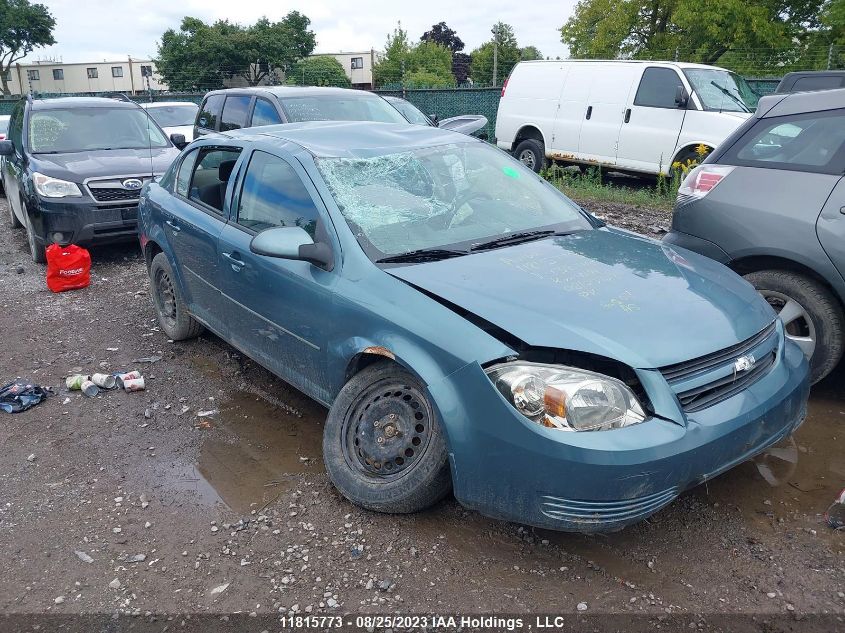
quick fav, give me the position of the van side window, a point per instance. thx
(210, 112)
(657, 88)
(234, 113)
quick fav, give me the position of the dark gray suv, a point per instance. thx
(770, 203)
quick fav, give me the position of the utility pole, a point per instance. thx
(829, 56)
(403, 77)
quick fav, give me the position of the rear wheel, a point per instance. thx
(811, 315)
(383, 444)
(173, 316)
(532, 154)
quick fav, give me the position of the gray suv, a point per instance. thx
(770, 203)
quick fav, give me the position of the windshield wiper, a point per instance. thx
(513, 238)
(736, 99)
(421, 255)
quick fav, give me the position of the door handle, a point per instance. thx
(176, 228)
(237, 264)
(589, 112)
(627, 115)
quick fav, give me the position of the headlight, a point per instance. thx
(48, 187)
(567, 398)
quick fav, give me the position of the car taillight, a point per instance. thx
(702, 180)
(504, 86)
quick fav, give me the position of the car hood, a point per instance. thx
(605, 292)
(187, 130)
(78, 166)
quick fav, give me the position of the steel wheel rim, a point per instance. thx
(527, 158)
(401, 417)
(797, 323)
(165, 297)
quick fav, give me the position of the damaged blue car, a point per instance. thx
(467, 325)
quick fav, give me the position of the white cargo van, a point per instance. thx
(635, 116)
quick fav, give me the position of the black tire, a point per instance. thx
(532, 154)
(169, 305)
(822, 319)
(37, 250)
(408, 470)
(13, 219)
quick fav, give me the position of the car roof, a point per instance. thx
(352, 139)
(64, 103)
(651, 62)
(295, 91)
(800, 102)
(164, 104)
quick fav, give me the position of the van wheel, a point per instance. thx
(169, 305)
(383, 444)
(532, 154)
(811, 315)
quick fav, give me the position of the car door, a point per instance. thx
(14, 165)
(208, 117)
(193, 222)
(831, 227)
(280, 310)
(652, 123)
(605, 112)
(572, 109)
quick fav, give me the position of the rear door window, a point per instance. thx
(264, 113)
(813, 142)
(274, 195)
(210, 112)
(658, 88)
(234, 113)
(214, 167)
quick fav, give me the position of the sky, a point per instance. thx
(106, 30)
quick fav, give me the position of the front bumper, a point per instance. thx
(509, 468)
(81, 221)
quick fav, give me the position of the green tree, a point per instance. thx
(691, 29)
(201, 55)
(427, 63)
(320, 70)
(503, 46)
(23, 27)
(443, 35)
(529, 52)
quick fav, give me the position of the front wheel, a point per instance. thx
(811, 315)
(383, 444)
(37, 250)
(532, 154)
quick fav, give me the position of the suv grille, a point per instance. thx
(723, 387)
(102, 194)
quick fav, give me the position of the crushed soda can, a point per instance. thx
(835, 514)
(120, 378)
(134, 384)
(104, 381)
(89, 388)
(74, 383)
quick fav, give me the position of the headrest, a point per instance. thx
(225, 169)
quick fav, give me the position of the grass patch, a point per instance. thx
(592, 185)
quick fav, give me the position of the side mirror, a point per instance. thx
(7, 148)
(681, 97)
(434, 119)
(292, 242)
(178, 140)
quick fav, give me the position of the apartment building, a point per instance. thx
(130, 75)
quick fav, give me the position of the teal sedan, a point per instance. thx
(468, 326)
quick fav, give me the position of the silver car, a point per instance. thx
(769, 202)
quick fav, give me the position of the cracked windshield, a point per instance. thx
(455, 196)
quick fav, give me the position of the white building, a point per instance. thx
(130, 75)
(358, 66)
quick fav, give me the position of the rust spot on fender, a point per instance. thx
(379, 351)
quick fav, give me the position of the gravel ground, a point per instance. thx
(206, 494)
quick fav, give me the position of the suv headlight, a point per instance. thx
(567, 398)
(48, 187)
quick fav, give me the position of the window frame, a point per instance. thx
(32, 74)
(247, 113)
(640, 85)
(58, 74)
(276, 109)
(93, 72)
(730, 156)
(222, 214)
(216, 115)
(117, 72)
(352, 65)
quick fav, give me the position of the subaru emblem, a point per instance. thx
(133, 184)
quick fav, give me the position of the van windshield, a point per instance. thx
(58, 131)
(721, 90)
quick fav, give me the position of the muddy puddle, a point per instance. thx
(252, 452)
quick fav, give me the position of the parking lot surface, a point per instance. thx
(207, 493)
